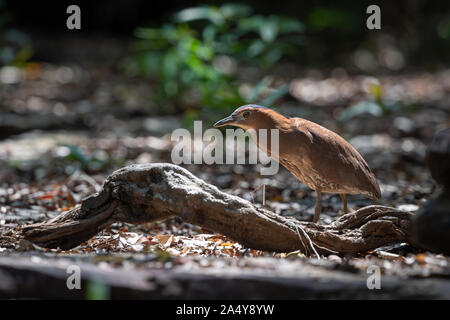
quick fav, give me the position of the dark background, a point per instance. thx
(412, 23)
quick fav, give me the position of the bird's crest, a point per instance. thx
(248, 106)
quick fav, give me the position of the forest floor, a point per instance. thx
(63, 129)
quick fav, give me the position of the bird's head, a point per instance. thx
(250, 117)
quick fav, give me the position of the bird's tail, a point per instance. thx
(375, 194)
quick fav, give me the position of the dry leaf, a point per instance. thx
(184, 251)
(225, 244)
(390, 256)
(134, 237)
(227, 251)
(420, 258)
(165, 240)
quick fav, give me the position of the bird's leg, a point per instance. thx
(318, 209)
(344, 200)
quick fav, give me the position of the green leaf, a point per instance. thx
(376, 90)
(76, 154)
(362, 107)
(322, 17)
(272, 56)
(252, 23)
(259, 88)
(275, 95)
(198, 13)
(97, 290)
(268, 30)
(286, 25)
(256, 48)
(147, 33)
(232, 10)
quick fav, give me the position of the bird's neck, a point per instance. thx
(272, 120)
(269, 122)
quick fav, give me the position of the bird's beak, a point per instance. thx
(224, 121)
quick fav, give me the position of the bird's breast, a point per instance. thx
(305, 172)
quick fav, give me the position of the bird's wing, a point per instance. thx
(336, 160)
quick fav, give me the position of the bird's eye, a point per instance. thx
(246, 114)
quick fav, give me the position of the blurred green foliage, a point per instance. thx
(15, 46)
(375, 104)
(339, 19)
(194, 59)
(97, 290)
(443, 29)
(90, 162)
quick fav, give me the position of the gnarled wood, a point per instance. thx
(150, 192)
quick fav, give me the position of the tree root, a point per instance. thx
(151, 192)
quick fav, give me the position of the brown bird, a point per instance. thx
(316, 156)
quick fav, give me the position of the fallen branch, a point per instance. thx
(151, 192)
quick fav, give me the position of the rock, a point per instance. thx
(431, 226)
(438, 158)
